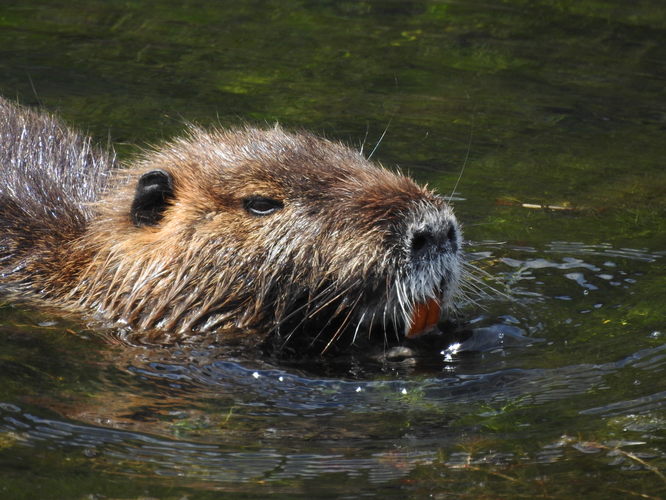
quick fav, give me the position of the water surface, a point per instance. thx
(553, 116)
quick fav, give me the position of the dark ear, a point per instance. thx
(153, 193)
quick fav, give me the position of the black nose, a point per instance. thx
(428, 242)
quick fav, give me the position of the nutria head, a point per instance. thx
(287, 233)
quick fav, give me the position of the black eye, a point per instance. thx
(258, 205)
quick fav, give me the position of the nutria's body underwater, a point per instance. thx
(276, 233)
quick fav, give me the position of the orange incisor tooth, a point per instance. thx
(425, 316)
(434, 313)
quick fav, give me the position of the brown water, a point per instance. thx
(559, 391)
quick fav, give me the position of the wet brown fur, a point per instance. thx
(338, 245)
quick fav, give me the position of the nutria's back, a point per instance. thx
(250, 228)
(48, 170)
(49, 178)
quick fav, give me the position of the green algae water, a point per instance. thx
(546, 123)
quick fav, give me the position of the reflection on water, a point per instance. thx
(283, 401)
(188, 411)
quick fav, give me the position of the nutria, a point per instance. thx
(258, 229)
